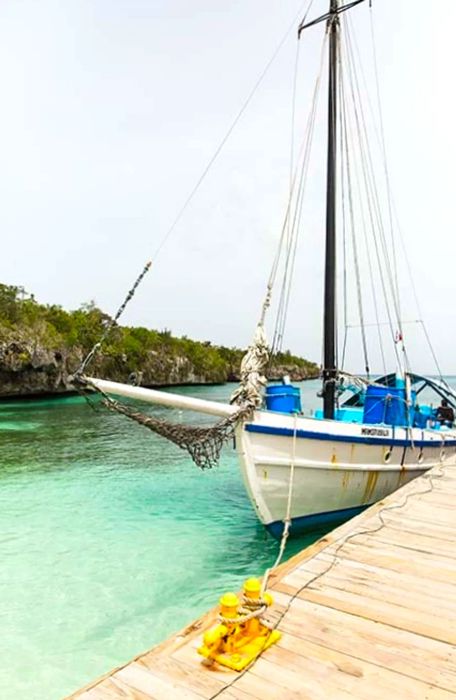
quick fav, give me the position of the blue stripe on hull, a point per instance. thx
(312, 435)
(306, 523)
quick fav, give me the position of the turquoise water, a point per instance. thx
(110, 540)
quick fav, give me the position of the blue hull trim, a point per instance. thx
(307, 523)
(312, 435)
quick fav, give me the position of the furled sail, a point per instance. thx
(253, 368)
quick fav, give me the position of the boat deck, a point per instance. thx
(368, 611)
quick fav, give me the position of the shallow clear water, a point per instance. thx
(110, 540)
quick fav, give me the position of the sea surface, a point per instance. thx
(111, 539)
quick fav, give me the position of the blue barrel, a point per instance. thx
(386, 404)
(420, 418)
(284, 398)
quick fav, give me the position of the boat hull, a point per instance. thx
(339, 468)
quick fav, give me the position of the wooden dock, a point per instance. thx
(368, 611)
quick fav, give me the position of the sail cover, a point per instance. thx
(253, 368)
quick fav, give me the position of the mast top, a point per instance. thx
(335, 9)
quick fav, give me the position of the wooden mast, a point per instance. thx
(329, 325)
(329, 330)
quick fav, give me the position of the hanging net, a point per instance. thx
(203, 444)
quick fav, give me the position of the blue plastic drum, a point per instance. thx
(284, 398)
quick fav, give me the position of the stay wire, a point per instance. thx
(130, 294)
(377, 115)
(200, 180)
(293, 117)
(364, 225)
(233, 125)
(293, 213)
(371, 178)
(371, 197)
(289, 275)
(345, 147)
(379, 132)
(369, 170)
(367, 246)
(415, 295)
(284, 239)
(384, 152)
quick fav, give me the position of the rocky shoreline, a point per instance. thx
(42, 346)
(31, 370)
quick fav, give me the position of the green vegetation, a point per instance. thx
(73, 333)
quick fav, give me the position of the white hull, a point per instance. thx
(339, 467)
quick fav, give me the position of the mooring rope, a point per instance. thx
(439, 474)
(287, 519)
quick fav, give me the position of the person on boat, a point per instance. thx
(445, 413)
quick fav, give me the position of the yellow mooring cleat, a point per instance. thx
(241, 635)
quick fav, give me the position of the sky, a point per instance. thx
(112, 109)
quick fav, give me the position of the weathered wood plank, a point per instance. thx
(410, 526)
(139, 678)
(341, 672)
(396, 559)
(191, 675)
(396, 585)
(392, 615)
(398, 650)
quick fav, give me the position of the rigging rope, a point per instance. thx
(308, 5)
(204, 444)
(293, 215)
(369, 172)
(385, 161)
(345, 147)
(89, 357)
(364, 228)
(371, 194)
(233, 125)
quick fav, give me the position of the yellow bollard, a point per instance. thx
(237, 641)
(252, 590)
(229, 604)
(229, 610)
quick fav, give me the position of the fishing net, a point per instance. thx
(203, 444)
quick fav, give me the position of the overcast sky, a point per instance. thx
(111, 110)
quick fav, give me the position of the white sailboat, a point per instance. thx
(339, 468)
(312, 470)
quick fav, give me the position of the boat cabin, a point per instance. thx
(383, 402)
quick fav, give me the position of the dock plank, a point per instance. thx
(367, 617)
(412, 655)
(150, 683)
